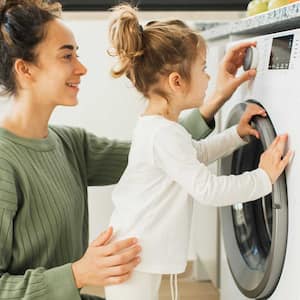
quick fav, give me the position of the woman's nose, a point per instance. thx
(80, 68)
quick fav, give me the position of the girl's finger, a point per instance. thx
(254, 132)
(287, 158)
(280, 146)
(274, 143)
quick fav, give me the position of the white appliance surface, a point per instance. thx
(278, 90)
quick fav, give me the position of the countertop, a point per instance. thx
(283, 18)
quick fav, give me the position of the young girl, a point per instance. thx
(166, 62)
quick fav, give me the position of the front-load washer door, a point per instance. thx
(255, 233)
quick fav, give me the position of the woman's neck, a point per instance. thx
(160, 106)
(27, 119)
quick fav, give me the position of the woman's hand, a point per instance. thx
(244, 128)
(273, 161)
(105, 263)
(227, 81)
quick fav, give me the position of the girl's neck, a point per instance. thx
(27, 119)
(160, 106)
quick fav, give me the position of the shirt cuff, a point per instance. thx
(61, 283)
(265, 181)
(238, 141)
(196, 125)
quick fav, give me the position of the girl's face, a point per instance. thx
(57, 72)
(198, 82)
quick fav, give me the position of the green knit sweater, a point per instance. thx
(44, 209)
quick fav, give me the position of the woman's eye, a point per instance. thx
(68, 56)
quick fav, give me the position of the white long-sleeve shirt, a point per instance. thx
(165, 168)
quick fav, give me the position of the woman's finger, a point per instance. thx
(117, 279)
(238, 49)
(123, 269)
(103, 237)
(123, 258)
(245, 76)
(118, 246)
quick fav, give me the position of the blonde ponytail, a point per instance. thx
(126, 38)
(145, 55)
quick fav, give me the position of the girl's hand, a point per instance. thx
(272, 161)
(244, 128)
(106, 263)
(227, 82)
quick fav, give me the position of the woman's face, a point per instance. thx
(57, 72)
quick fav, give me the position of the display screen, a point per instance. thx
(281, 52)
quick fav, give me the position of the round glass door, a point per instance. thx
(255, 233)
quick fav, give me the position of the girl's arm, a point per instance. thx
(174, 153)
(219, 145)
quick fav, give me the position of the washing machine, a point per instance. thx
(261, 239)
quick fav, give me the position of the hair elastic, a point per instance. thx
(141, 29)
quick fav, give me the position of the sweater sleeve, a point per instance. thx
(174, 153)
(106, 159)
(218, 145)
(57, 283)
(195, 124)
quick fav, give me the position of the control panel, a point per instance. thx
(279, 51)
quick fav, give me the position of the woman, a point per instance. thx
(45, 170)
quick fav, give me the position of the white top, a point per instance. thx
(165, 167)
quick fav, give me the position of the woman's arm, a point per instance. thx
(227, 81)
(34, 283)
(198, 126)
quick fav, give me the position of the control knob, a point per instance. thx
(251, 59)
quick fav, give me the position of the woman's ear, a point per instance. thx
(22, 70)
(23, 73)
(176, 82)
